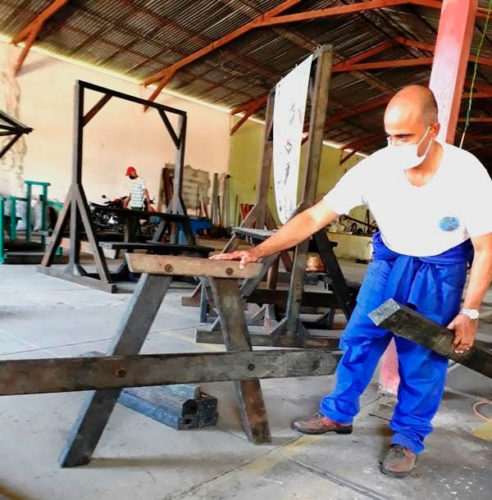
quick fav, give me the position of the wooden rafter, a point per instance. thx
(357, 110)
(273, 18)
(165, 75)
(30, 32)
(249, 111)
(348, 156)
(220, 43)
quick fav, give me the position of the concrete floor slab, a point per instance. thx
(138, 458)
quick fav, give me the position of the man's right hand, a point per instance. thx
(244, 256)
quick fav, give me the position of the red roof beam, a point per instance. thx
(347, 157)
(478, 119)
(31, 31)
(244, 107)
(355, 7)
(220, 42)
(373, 104)
(397, 63)
(333, 11)
(252, 109)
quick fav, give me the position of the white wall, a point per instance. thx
(121, 134)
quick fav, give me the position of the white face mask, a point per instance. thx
(406, 156)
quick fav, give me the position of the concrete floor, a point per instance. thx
(138, 458)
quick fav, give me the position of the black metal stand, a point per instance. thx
(75, 210)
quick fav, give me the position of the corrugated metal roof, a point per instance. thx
(140, 37)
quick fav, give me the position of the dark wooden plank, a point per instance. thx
(251, 283)
(98, 406)
(231, 314)
(279, 298)
(415, 327)
(160, 248)
(35, 376)
(142, 214)
(206, 336)
(345, 298)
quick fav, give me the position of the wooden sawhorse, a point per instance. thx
(123, 367)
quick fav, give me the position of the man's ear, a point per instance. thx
(435, 128)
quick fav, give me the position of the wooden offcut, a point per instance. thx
(189, 266)
(413, 326)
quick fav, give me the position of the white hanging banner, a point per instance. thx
(288, 123)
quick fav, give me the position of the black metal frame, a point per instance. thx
(11, 127)
(290, 331)
(76, 209)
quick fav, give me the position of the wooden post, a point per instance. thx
(319, 105)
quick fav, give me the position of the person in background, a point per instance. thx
(138, 191)
(135, 200)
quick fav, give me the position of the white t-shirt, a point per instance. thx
(454, 205)
(137, 188)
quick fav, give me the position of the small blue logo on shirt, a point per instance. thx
(449, 223)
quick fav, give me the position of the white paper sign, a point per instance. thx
(288, 122)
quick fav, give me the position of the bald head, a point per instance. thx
(414, 102)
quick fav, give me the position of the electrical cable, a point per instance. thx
(474, 76)
(477, 413)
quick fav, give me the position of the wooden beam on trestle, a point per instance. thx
(29, 33)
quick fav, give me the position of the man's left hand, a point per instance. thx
(465, 330)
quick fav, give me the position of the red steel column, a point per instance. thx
(447, 81)
(450, 61)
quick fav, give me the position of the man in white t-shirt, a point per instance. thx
(135, 201)
(138, 191)
(433, 205)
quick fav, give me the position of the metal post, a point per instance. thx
(13, 218)
(28, 211)
(44, 213)
(2, 235)
(75, 223)
(453, 44)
